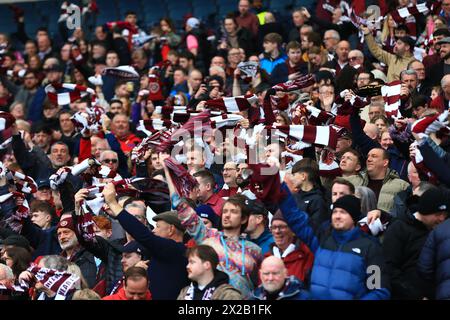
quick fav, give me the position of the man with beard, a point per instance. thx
(73, 252)
(239, 258)
(276, 284)
(439, 70)
(208, 283)
(396, 62)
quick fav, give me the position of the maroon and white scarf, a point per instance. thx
(391, 96)
(58, 95)
(328, 166)
(96, 201)
(399, 15)
(183, 181)
(22, 182)
(318, 135)
(16, 220)
(6, 120)
(84, 225)
(294, 85)
(437, 123)
(232, 104)
(90, 121)
(60, 282)
(148, 143)
(202, 120)
(149, 127)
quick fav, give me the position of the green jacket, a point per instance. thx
(395, 63)
(392, 184)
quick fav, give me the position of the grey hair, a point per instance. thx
(334, 34)
(445, 79)
(9, 275)
(136, 205)
(368, 199)
(55, 262)
(409, 72)
(105, 152)
(424, 186)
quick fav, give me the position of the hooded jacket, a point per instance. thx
(217, 289)
(341, 258)
(293, 289)
(238, 258)
(264, 241)
(402, 244)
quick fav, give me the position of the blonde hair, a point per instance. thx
(86, 294)
(75, 269)
(385, 30)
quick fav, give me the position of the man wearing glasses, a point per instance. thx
(110, 159)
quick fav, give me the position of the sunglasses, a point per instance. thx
(110, 160)
(352, 58)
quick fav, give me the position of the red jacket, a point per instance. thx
(299, 262)
(121, 296)
(216, 203)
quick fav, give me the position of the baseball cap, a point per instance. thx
(171, 217)
(193, 22)
(133, 246)
(433, 201)
(205, 211)
(43, 183)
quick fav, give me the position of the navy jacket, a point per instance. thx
(44, 242)
(294, 289)
(167, 268)
(342, 259)
(314, 204)
(434, 260)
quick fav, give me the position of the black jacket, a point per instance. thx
(110, 252)
(313, 202)
(402, 244)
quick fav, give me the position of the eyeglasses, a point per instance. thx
(352, 58)
(279, 228)
(110, 160)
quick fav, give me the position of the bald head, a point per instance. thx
(273, 274)
(342, 50)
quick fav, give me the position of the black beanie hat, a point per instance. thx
(351, 204)
(433, 201)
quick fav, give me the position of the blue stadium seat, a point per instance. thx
(204, 10)
(309, 4)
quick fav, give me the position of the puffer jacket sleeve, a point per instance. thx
(426, 263)
(378, 278)
(298, 221)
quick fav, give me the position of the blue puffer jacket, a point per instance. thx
(342, 259)
(294, 289)
(434, 260)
